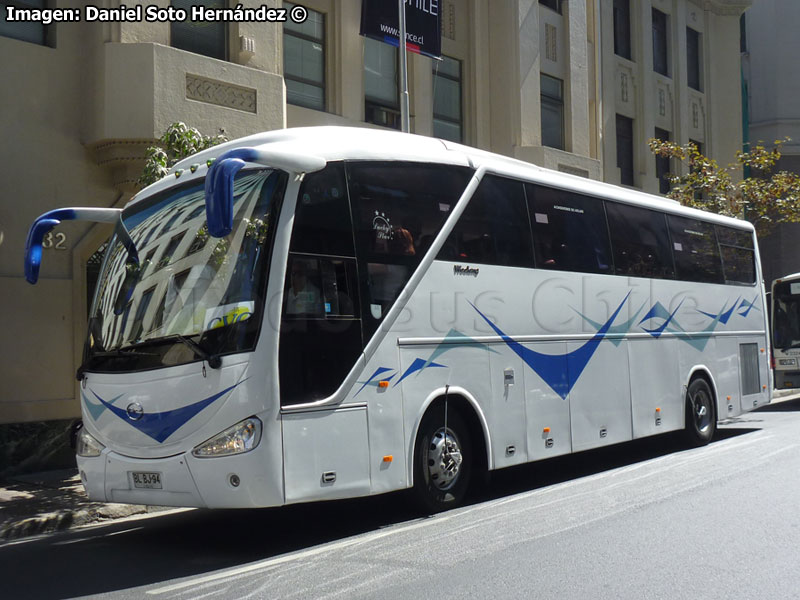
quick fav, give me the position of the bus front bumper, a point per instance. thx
(183, 480)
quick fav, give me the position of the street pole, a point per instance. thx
(405, 121)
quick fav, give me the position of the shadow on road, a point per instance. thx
(785, 406)
(130, 554)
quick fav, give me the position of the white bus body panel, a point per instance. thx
(326, 454)
(181, 409)
(632, 385)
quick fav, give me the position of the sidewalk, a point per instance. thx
(55, 501)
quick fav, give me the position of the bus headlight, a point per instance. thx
(87, 446)
(242, 437)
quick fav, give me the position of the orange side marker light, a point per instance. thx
(388, 458)
(546, 430)
(383, 384)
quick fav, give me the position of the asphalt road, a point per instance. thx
(648, 519)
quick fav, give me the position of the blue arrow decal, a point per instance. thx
(418, 365)
(658, 311)
(378, 371)
(97, 409)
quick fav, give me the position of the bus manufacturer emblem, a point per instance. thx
(135, 411)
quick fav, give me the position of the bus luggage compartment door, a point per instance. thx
(326, 454)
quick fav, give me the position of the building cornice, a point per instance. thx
(727, 8)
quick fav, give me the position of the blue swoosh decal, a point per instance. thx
(559, 371)
(160, 426)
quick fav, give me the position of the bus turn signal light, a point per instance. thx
(383, 384)
(388, 458)
(546, 430)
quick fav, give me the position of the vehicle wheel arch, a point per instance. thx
(469, 409)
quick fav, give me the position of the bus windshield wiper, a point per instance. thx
(129, 352)
(213, 360)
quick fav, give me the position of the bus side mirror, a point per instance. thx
(42, 225)
(219, 179)
(219, 189)
(33, 245)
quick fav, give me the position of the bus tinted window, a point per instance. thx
(398, 208)
(569, 231)
(738, 257)
(320, 320)
(786, 315)
(694, 246)
(734, 237)
(640, 241)
(494, 228)
(322, 218)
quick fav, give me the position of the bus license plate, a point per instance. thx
(150, 481)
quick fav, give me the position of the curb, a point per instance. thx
(69, 519)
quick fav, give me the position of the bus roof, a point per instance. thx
(334, 143)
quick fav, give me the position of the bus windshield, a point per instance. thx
(192, 295)
(786, 315)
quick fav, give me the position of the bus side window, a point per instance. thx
(569, 231)
(322, 223)
(640, 241)
(398, 209)
(494, 228)
(738, 256)
(694, 245)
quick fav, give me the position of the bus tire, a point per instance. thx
(442, 461)
(701, 418)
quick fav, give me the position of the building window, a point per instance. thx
(552, 112)
(304, 60)
(447, 119)
(693, 59)
(209, 38)
(662, 163)
(660, 62)
(381, 98)
(743, 33)
(625, 149)
(622, 28)
(27, 31)
(553, 4)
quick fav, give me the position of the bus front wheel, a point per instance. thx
(442, 460)
(701, 419)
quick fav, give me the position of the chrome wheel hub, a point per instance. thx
(444, 459)
(702, 411)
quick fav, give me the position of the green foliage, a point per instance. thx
(764, 197)
(178, 142)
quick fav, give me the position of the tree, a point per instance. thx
(178, 142)
(763, 197)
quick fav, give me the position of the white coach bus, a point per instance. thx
(785, 299)
(324, 313)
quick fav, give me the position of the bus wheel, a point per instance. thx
(701, 421)
(442, 461)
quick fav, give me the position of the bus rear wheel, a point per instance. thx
(442, 461)
(701, 419)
